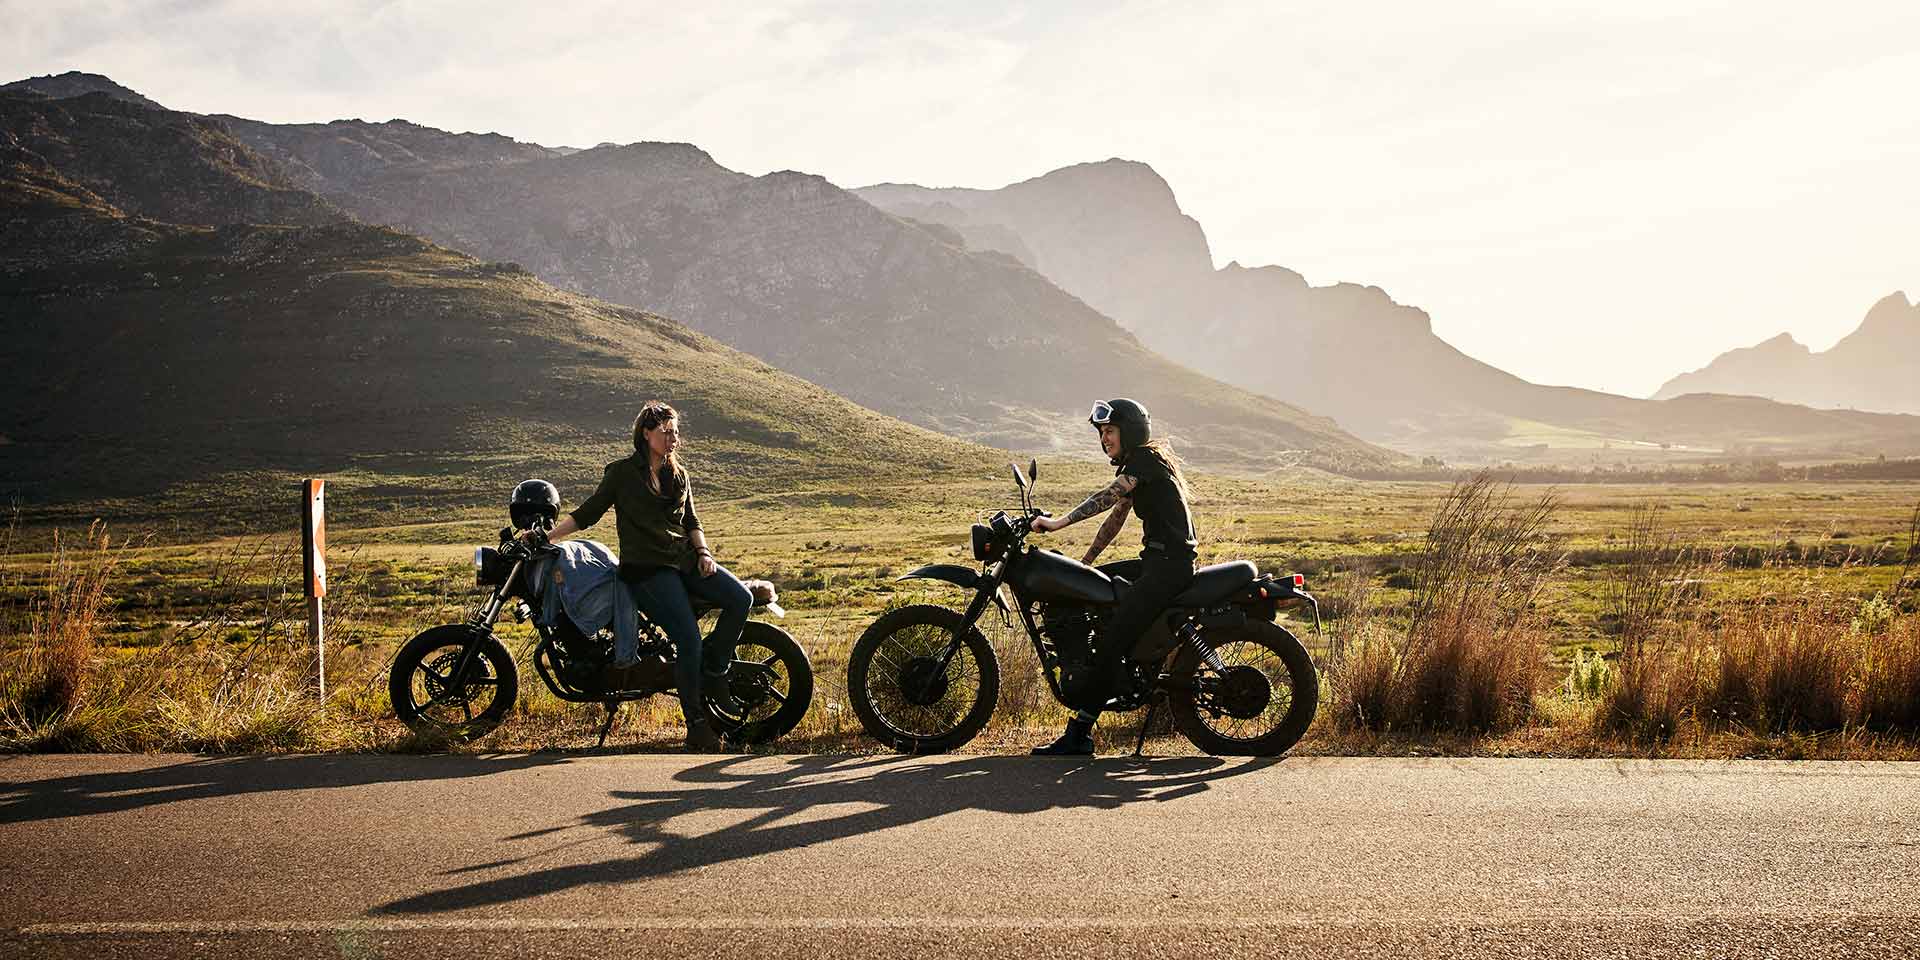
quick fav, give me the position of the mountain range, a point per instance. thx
(158, 338)
(895, 315)
(141, 235)
(1113, 234)
(1876, 367)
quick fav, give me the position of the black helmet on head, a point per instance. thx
(534, 501)
(1135, 426)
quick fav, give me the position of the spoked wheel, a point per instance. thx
(772, 678)
(432, 701)
(903, 695)
(1259, 705)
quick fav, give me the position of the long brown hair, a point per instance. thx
(1161, 449)
(653, 413)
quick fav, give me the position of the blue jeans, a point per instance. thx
(666, 596)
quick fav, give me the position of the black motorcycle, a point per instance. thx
(924, 679)
(457, 681)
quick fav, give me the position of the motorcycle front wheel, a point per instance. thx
(902, 695)
(1259, 705)
(432, 702)
(772, 679)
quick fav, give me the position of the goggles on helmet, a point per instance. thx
(1102, 414)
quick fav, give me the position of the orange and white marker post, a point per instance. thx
(313, 515)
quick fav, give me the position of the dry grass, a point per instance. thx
(1468, 656)
(1450, 665)
(1788, 664)
(48, 678)
(1655, 679)
(237, 677)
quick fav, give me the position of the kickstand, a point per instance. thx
(1153, 706)
(613, 710)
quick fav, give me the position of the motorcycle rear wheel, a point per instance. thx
(772, 677)
(900, 696)
(433, 703)
(1261, 706)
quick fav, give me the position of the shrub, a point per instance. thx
(1588, 677)
(1781, 668)
(1889, 679)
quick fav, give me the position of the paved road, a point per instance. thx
(366, 856)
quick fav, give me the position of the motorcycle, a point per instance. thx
(457, 681)
(924, 679)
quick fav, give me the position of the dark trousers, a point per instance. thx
(666, 596)
(1153, 581)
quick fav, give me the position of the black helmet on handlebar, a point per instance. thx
(533, 501)
(1135, 426)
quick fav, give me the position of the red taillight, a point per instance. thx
(1299, 580)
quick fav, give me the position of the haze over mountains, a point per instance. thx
(1877, 367)
(985, 315)
(1113, 234)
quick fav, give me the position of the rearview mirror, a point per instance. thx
(1018, 477)
(1033, 471)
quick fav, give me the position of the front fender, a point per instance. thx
(952, 573)
(960, 576)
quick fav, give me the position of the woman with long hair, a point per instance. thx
(1147, 481)
(665, 562)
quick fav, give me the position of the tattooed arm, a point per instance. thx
(1120, 489)
(1108, 530)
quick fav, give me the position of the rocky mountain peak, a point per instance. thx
(1870, 369)
(1784, 343)
(1894, 313)
(1115, 180)
(74, 83)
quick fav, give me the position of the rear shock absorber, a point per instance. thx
(1189, 634)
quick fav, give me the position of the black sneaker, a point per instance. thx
(719, 693)
(1075, 741)
(701, 738)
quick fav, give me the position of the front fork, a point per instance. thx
(989, 592)
(483, 625)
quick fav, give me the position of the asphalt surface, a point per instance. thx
(880, 857)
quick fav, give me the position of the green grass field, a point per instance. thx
(836, 554)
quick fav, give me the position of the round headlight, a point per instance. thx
(984, 548)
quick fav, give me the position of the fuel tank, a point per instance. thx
(1045, 575)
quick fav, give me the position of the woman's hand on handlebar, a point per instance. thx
(1044, 523)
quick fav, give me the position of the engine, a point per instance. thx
(1070, 627)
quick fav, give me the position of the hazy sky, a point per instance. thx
(1601, 194)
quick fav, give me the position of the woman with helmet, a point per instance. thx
(1147, 481)
(665, 562)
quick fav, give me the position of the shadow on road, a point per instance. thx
(85, 794)
(890, 792)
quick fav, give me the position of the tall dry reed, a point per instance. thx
(1656, 678)
(64, 619)
(1466, 657)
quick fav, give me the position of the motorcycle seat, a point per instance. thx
(1214, 583)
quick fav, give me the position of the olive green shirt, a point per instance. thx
(654, 527)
